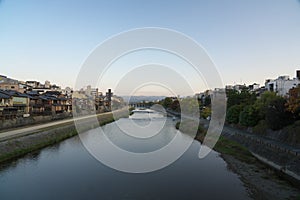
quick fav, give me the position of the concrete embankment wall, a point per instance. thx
(17, 147)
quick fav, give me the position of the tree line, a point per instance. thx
(248, 109)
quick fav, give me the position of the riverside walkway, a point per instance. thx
(22, 131)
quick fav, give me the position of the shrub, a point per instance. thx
(276, 115)
(249, 116)
(233, 114)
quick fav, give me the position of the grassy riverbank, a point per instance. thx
(18, 147)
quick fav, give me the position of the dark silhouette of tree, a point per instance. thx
(175, 106)
(167, 102)
(277, 116)
(207, 101)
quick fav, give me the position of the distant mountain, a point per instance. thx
(137, 99)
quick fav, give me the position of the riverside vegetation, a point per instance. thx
(266, 115)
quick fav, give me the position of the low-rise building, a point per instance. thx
(8, 83)
(254, 87)
(7, 111)
(14, 104)
(282, 84)
(20, 101)
(42, 88)
(57, 101)
(5, 99)
(237, 87)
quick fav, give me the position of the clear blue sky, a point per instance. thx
(248, 40)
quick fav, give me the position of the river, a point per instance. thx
(68, 171)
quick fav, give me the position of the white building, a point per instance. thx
(237, 87)
(254, 87)
(282, 84)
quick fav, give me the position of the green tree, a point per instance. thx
(235, 97)
(249, 116)
(232, 98)
(262, 103)
(233, 114)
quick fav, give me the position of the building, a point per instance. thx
(282, 84)
(36, 104)
(254, 87)
(23, 87)
(237, 87)
(68, 92)
(18, 101)
(56, 102)
(7, 111)
(5, 99)
(42, 88)
(12, 84)
(47, 84)
(8, 83)
(33, 84)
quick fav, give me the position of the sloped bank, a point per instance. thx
(20, 146)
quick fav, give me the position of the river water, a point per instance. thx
(68, 171)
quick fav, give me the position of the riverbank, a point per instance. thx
(262, 181)
(16, 147)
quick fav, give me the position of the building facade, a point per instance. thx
(282, 84)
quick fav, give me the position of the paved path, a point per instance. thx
(29, 130)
